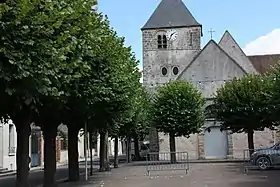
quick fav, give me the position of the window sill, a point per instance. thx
(12, 154)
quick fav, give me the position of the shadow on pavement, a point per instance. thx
(95, 179)
(255, 177)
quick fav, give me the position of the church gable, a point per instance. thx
(210, 68)
(229, 45)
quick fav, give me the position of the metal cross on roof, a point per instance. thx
(211, 33)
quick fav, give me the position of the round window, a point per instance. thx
(164, 71)
(175, 70)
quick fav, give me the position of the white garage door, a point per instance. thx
(215, 143)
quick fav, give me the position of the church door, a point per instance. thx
(215, 143)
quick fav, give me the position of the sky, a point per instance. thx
(255, 24)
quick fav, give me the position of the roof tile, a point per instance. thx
(171, 14)
(263, 63)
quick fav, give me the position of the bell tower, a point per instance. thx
(171, 38)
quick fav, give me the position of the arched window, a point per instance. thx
(159, 39)
(162, 41)
(191, 39)
(209, 111)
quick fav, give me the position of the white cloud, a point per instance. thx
(268, 44)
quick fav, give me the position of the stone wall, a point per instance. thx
(41, 148)
(183, 144)
(262, 139)
(154, 140)
(178, 53)
(201, 153)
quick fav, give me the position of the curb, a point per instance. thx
(144, 163)
(32, 170)
(215, 161)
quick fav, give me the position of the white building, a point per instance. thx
(96, 152)
(8, 141)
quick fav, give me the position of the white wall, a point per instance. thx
(1, 146)
(63, 156)
(111, 146)
(8, 158)
(81, 145)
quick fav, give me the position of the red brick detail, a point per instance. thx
(58, 149)
(41, 148)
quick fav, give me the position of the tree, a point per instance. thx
(116, 77)
(274, 101)
(33, 55)
(135, 122)
(102, 94)
(241, 105)
(178, 110)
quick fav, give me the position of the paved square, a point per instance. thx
(200, 175)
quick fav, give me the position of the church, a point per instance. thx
(172, 50)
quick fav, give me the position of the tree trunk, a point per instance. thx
(22, 156)
(107, 149)
(73, 154)
(90, 152)
(128, 147)
(103, 151)
(49, 155)
(116, 152)
(172, 147)
(251, 146)
(136, 148)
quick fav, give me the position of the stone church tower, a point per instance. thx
(171, 39)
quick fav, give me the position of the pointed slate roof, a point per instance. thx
(229, 45)
(208, 45)
(171, 14)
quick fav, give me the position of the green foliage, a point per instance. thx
(274, 103)
(118, 82)
(113, 80)
(136, 120)
(242, 104)
(178, 109)
(39, 52)
(60, 61)
(142, 116)
(75, 26)
(104, 92)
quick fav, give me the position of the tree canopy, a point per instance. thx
(38, 39)
(242, 105)
(178, 109)
(274, 103)
(135, 121)
(61, 62)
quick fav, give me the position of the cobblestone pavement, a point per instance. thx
(200, 175)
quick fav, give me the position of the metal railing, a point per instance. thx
(261, 159)
(167, 161)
